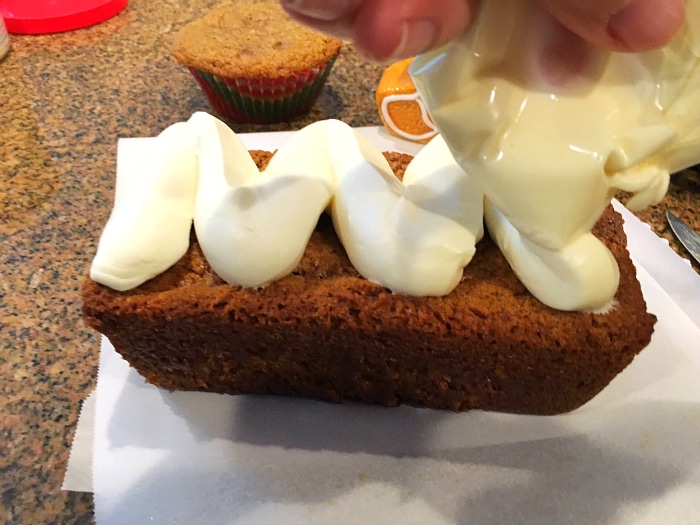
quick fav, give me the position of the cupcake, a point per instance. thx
(400, 106)
(254, 63)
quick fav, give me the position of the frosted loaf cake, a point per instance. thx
(326, 323)
(391, 296)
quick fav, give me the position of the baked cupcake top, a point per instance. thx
(254, 40)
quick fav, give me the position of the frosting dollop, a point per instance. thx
(414, 237)
(149, 226)
(551, 140)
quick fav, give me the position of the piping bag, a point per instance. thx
(551, 137)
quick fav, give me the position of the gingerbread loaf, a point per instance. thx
(325, 332)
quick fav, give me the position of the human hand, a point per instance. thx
(388, 30)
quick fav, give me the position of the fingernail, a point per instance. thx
(416, 36)
(318, 9)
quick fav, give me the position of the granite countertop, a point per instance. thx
(65, 100)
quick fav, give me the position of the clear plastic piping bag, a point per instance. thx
(552, 127)
(526, 117)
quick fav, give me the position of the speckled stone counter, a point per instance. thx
(64, 101)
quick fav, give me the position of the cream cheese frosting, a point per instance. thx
(550, 143)
(149, 226)
(414, 237)
(253, 227)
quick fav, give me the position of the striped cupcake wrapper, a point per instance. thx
(263, 101)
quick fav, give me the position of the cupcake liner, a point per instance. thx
(263, 101)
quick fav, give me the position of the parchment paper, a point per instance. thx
(631, 455)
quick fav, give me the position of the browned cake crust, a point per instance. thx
(327, 333)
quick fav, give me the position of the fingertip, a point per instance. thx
(387, 30)
(404, 39)
(376, 33)
(645, 24)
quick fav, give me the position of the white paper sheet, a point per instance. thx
(632, 455)
(78, 476)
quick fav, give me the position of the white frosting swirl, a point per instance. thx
(413, 237)
(550, 147)
(253, 227)
(149, 227)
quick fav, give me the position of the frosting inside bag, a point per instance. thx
(551, 137)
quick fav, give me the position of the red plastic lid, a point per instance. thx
(33, 17)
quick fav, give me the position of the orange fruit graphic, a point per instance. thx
(400, 107)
